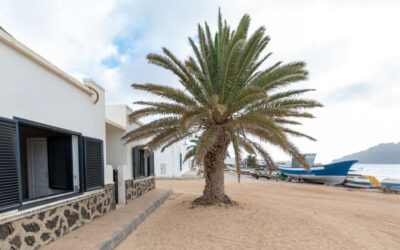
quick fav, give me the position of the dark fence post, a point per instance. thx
(115, 179)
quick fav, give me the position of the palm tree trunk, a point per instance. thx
(214, 166)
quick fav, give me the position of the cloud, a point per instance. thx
(351, 49)
(351, 92)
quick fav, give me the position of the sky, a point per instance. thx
(351, 49)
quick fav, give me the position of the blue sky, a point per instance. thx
(350, 47)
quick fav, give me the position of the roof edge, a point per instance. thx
(108, 121)
(131, 110)
(13, 43)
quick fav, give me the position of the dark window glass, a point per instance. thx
(60, 162)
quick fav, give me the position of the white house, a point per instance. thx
(52, 150)
(166, 164)
(169, 164)
(134, 164)
(43, 109)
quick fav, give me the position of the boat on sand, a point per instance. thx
(361, 181)
(334, 173)
(391, 183)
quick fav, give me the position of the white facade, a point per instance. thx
(119, 153)
(166, 164)
(33, 89)
(169, 164)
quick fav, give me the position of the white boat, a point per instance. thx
(361, 181)
(392, 183)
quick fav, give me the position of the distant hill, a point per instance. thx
(385, 153)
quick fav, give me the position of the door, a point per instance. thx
(38, 181)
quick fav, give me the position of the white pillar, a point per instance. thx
(121, 185)
(108, 174)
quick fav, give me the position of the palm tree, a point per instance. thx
(251, 161)
(226, 99)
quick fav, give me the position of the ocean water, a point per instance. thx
(380, 171)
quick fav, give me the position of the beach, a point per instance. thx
(271, 215)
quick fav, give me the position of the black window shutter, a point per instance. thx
(9, 181)
(93, 163)
(148, 165)
(152, 164)
(60, 162)
(135, 163)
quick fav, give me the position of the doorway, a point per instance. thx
(37, 164)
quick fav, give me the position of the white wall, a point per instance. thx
(118, 114)
(119, 153)
(29, 91)
(171, 158)
(116, 150)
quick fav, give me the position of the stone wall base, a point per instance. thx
(135, 188)
(40, 228)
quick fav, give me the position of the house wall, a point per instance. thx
(120, 153)
(116, 149)
(117, 114)
(40, 227)
(32, 92)
(171, 158)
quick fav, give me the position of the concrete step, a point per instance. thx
(111, 229)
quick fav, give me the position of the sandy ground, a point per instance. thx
(271, 215)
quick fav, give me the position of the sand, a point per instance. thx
(271, 215)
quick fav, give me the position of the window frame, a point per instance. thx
(38, 201)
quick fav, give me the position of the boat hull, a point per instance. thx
(393, 184)
(359, 185)
(361, 181)
(334, 173)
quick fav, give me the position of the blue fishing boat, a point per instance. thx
(391, 183)
(334, 173)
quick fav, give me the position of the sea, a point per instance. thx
(380, 171)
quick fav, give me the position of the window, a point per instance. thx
(46, 161)
(142, 163)
(38, 161)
